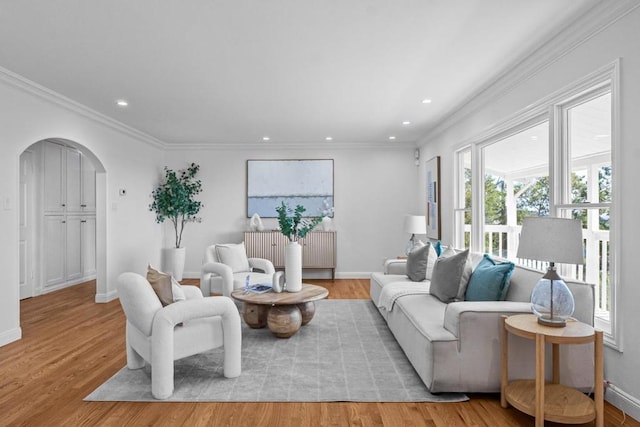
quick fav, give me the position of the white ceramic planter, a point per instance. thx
(173, 261)
(293, 267)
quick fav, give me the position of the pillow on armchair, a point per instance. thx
(166, 287)
(234, 255)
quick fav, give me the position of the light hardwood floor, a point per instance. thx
(71, 345)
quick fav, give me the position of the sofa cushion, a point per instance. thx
(380, 280)
(489, 281)
(417, 261)
(447, 276)
(415, 308)
(234, 255)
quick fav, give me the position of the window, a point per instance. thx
(516, 184)
(556, 158)
(462, 208)
(586, 190)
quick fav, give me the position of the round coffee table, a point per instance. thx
(284, 313)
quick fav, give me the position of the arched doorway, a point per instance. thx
(39, 217)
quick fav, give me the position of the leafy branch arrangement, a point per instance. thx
(295, 227)
(174, 199)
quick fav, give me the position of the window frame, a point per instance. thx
(552, 108)
(562, 204)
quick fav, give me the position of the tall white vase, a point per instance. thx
(173, 261)
(293, 267)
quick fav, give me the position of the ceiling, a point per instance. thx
(228, 72)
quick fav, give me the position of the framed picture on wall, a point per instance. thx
(296, 182)
(433, 198)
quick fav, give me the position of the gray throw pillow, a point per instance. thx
(417, 261)
(447, 275)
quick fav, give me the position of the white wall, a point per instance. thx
(373, 189)
(620, 40)
(132, 237)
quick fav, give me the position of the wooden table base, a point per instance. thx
(283, 320)
(255, 315)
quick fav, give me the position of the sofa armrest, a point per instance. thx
(480, 311)
(263, 265)
(395, 266)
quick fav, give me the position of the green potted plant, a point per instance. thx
(294, 227)
(174, 199)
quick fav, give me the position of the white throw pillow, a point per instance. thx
(431, 261)
(234, 255)
(178, 292)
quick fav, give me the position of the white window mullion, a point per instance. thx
(477, 200)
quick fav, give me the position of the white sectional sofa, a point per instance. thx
(456, 347)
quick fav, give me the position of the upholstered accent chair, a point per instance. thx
(225, 267)
(160, 335)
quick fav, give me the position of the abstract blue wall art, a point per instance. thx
(296, 182)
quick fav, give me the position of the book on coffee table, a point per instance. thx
(259, 288)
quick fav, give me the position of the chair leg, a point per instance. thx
(232, 331)
(162, 380)
(134, 360)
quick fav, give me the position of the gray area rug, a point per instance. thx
(346, 353)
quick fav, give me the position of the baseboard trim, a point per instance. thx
(310, 275)
(104, 298)
(623, 401)
(353, 275)
(10, 336)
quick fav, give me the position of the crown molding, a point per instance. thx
(49, 95)
(548, 51)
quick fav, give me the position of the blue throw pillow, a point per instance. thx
(489, 280)
(438, 247)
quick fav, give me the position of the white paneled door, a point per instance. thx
(27, 256)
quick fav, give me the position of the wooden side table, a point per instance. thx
(552, 401)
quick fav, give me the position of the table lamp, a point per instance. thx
(414, 224)
(551, 240)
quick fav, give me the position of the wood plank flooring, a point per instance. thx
(71, 345)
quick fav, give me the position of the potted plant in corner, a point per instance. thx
(294, 228)
(174, 199)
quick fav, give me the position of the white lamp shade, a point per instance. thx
(557, 240)
(415, 224)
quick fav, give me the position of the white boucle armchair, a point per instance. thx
(152, 334)
(222, 276)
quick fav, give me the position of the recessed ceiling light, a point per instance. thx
(426, 101)
(392, 137)
(122, 102)
(534, 138)
(406, 122)
(265, 138)
(329, 138)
